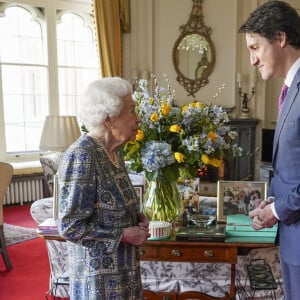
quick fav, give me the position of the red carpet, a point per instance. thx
(18, 215)
(29, 277)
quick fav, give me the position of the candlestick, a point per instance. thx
(246, 96)
(252, 78)
(239, 79)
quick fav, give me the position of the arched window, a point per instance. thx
(43, 69)
(23, 78)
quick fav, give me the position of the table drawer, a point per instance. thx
(189, 253)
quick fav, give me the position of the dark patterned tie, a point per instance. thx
(282, 96)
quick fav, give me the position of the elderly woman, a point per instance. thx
(99, 209)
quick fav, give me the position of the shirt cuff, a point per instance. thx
(274, 211)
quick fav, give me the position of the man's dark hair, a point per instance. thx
(271, 18)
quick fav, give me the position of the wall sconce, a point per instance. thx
(134, 78)
(246, 96)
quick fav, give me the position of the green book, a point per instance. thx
(241, 225)
(215, 233)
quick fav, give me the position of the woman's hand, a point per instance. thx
(136, 235)
(143, 221)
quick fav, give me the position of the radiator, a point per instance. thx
(23, 189)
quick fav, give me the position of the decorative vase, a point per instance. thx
(162, 200)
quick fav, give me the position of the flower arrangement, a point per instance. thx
(177, 141)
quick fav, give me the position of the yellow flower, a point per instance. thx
(216, 162)
(151, 100)
(183, 109)
(212, 136)
(197, 104)
(140, 135)
(165, 109)
(154, 118)
(200, 104)
(175, 128)
(179, 157)
(205, 159)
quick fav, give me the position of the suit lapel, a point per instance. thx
(290, 98)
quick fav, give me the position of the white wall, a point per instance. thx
(155, 28)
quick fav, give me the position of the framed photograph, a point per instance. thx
(139, 189)
(189, 191)
(239, 197)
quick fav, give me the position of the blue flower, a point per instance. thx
(157, 155)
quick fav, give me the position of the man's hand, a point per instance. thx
(262, 217)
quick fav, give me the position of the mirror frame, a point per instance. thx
(195, 25)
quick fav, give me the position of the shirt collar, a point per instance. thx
(292, 72)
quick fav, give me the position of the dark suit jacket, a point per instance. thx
(285, 185)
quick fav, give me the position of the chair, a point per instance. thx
(6, 172)
(49, 164)
(200, 296)
(40, 211)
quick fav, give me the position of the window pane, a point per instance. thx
(24, 79)
(21, 137)
(77, 58)
(25, 106)
(20, 37)
(72, 81)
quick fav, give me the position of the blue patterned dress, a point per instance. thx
(97, 201)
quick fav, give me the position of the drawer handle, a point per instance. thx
(141, 252)
(208, 253)
(176, 253)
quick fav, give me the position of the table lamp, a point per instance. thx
(59, 132)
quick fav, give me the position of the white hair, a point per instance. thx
(101, 99)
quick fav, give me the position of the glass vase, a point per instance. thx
(162, 200)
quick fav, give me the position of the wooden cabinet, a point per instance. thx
(184, 251)
(243, 168)
(170, 250)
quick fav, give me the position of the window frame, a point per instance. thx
(49, 11)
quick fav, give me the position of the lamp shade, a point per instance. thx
(59, 132)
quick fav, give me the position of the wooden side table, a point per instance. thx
(203, 252)
(167, 250)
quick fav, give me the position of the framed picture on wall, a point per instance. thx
(239, 197)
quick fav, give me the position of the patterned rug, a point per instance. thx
(17, 234)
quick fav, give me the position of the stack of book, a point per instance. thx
(239, 229)
(48, 227)
(215, 234)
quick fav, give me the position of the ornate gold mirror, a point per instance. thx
(193, 52)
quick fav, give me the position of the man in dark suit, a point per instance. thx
(273, 39)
